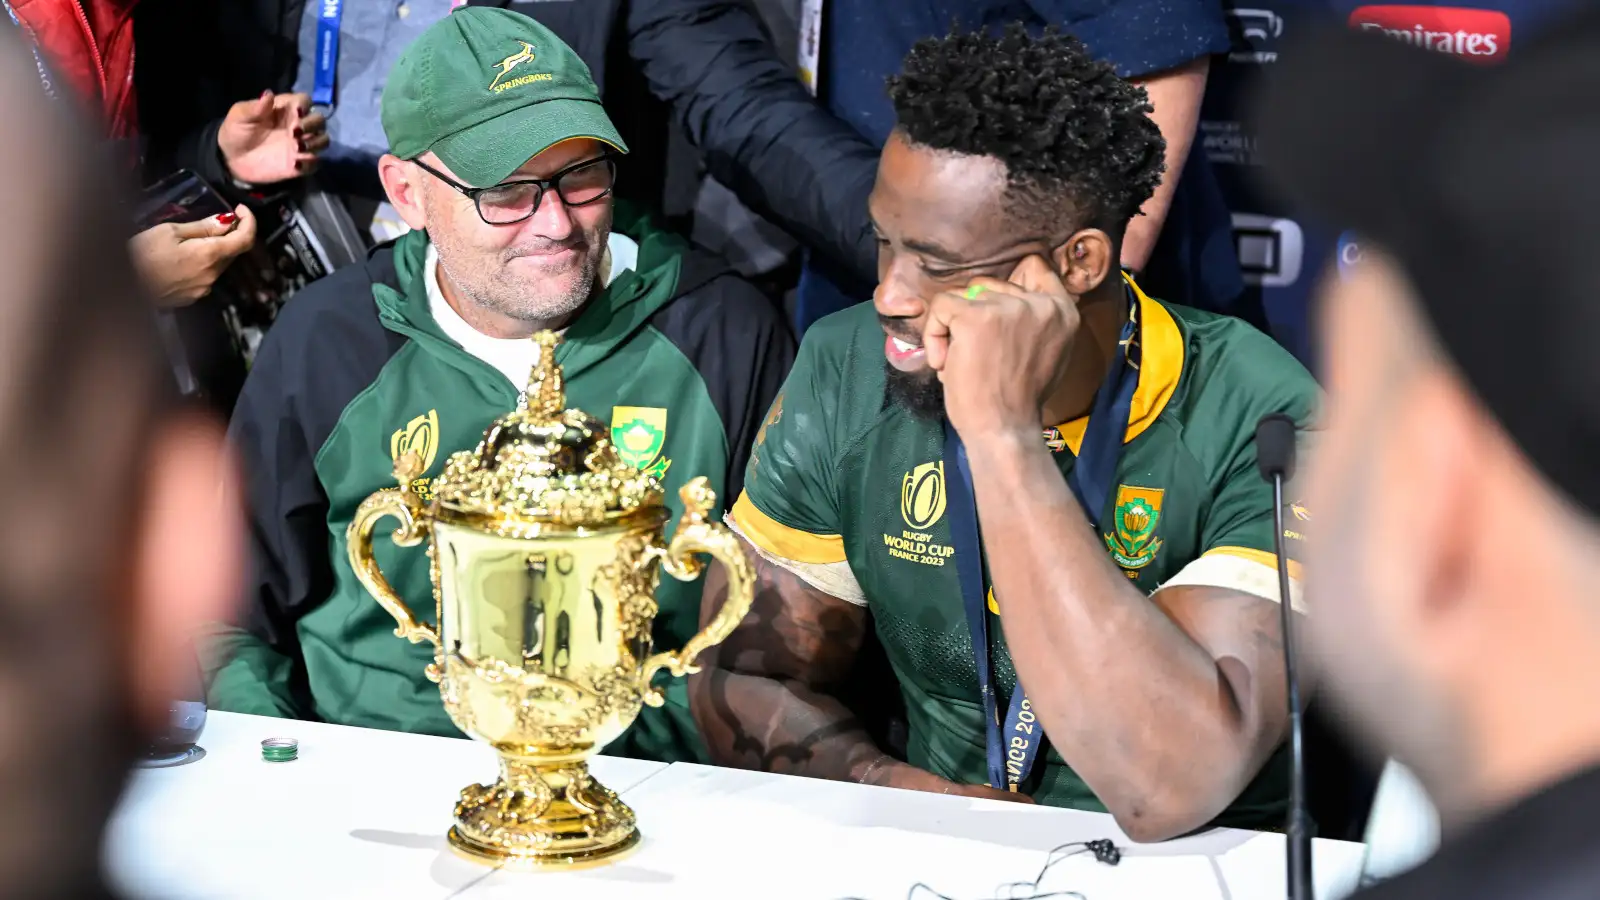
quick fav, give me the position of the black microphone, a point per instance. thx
(1275, 457)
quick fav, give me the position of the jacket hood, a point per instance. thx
(608, 322)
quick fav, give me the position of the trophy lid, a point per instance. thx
(542, 462)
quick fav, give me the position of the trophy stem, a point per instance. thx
(544, 812)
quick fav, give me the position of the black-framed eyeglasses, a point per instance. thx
(514, 201)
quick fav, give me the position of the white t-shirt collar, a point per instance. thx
(512, 357)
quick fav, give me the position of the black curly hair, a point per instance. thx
(1067, 128)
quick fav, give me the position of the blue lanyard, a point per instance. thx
(44, 73)
(327, 59)
(1012, 752)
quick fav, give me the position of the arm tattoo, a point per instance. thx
(763, 701)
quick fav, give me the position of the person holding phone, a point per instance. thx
(267, 140)
(932, 460)
(84, 50)
(180, 261)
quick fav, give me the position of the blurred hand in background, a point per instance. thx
(273, 138)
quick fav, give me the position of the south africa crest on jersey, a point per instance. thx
(1138, 512)
(639, 433)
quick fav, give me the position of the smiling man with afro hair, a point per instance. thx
(1149, 643)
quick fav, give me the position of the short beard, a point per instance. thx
(512, 298)
(921, 394)
(514, 301)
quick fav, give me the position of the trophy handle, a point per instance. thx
(696, 534)
(404, 505)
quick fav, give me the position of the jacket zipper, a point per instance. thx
(437, 346)
(94, 49)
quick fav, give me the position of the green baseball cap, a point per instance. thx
(487, 90)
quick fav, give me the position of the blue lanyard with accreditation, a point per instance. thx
(1012, 751)
(326, 63)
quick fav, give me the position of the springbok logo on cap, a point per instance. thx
(525, 55)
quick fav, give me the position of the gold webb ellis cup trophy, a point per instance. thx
(545, 550)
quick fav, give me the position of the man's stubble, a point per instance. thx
(488, 281)
(921, 394)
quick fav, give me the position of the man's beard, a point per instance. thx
(516, 298)
(921, 394)
(491, 284)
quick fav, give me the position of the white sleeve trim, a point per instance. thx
(1237, 573)
(833, 579)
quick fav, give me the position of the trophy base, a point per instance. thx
(542, 816)
(581, 859)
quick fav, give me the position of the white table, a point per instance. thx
(363, 814)
(715, 833)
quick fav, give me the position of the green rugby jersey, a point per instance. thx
(847, 490)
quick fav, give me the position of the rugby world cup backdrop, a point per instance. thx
(1283, 255)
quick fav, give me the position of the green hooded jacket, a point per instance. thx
(680, 355)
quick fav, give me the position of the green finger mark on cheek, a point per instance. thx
(974, 290)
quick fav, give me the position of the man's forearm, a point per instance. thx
(775, 725)
(1132, 703)
(1176, 95)
(762, 699)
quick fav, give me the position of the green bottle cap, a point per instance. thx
(280, 749)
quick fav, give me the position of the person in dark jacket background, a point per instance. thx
(423, 345)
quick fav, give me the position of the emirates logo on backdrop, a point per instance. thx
(1476, 35)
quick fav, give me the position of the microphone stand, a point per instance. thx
(1299, 831)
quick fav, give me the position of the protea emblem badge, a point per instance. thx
(1138, 512)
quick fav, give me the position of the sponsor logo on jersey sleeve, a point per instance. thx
(773, 416)
(1475, 35)
(922, 502)
(1297, 513)
(1134, 544)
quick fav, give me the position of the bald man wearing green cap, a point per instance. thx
(503, 165)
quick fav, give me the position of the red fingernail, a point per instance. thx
(298, 132)
(227, 218)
